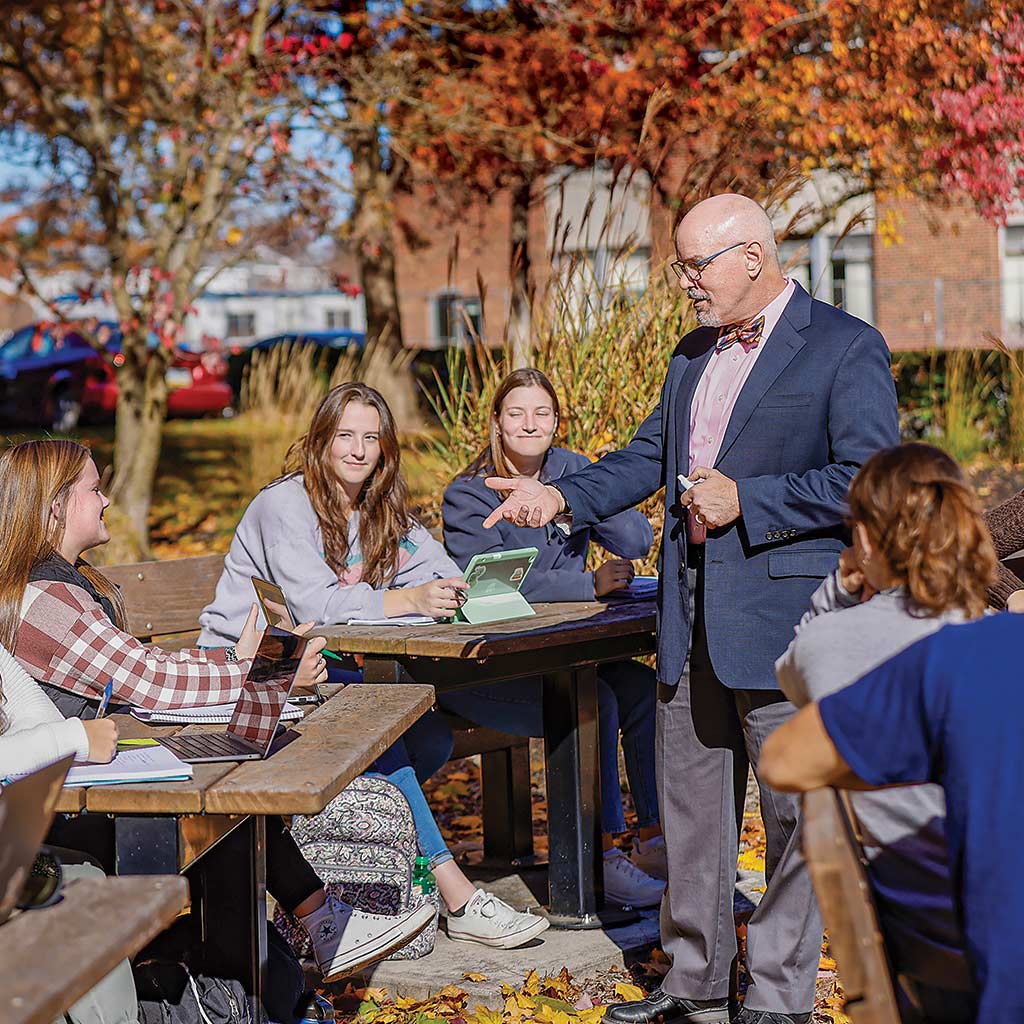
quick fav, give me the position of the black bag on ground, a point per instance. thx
(170, 991)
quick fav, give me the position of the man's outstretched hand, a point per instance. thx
(530, 502)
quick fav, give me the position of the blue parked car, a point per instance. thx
(333, 343)
(55, 379)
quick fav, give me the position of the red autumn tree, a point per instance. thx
(704, 95)
(983, 154)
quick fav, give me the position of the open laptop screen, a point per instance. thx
(266, 688)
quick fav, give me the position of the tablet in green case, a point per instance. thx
(494, 580)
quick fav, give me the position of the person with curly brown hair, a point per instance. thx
(921, 559)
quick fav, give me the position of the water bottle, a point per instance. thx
(423, 880)
(315, 1010)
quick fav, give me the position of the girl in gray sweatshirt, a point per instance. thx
(336, 533)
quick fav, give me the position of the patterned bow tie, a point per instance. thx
(748, 335)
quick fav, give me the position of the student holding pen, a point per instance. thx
(337, 534)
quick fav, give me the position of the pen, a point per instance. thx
(105, 699)
(460, 595)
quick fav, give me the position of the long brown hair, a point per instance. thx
(33, 475)
(385, 515)
(924, 518)
(494, 459)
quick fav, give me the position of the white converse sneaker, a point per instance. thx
(346, 940)
(491, 921)
(626, 884)
(650, 857)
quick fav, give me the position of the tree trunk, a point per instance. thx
(521, 308)
(138, 431)
(371, 228)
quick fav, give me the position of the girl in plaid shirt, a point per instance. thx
(63, 620)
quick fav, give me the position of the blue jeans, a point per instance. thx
(424, 747)
(626, 699)
(410, 761)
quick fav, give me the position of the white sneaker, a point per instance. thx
(346, 940)
(628, 885)
(650, 857)
(492, 922)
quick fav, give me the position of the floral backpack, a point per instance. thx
(363, 846)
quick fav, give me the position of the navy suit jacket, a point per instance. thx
(819, 400)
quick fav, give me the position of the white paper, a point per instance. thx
(210, 714)
(137, 764)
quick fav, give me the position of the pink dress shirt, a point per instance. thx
(717, 391)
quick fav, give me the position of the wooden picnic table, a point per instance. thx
(213, 826)
(49, 958)
(562, 643)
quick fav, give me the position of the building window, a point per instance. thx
(1013, 282)
(795, 260)
(458, 318)
(338, 319)
(851, 275)
(241, 325)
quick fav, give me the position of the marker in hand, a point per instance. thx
(685, 483)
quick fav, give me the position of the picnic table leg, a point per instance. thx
(573, 784)
(231, 882)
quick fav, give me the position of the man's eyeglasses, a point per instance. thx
(692, 269)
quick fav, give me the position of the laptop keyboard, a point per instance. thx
(206, 746)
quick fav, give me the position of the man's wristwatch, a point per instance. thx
(564, 518)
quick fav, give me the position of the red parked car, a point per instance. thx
(55, 379)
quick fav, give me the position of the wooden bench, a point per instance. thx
(50, 958)
(836, 864)
(164, 600)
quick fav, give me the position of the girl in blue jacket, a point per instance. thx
(524, 419)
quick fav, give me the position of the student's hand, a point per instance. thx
(313, 667)
(102, 736)
(530, 502)
(714, 499)
(1015, 602)
(615, 574)
(852, 578)
(251, 636)
(437, 598)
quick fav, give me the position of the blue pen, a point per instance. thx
(105, 699)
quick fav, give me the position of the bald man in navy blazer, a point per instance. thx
(768, 408)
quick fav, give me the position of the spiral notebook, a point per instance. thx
(210, 714)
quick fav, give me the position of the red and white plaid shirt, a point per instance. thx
(66, 639)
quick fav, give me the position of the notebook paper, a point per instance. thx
(210, 714)
(140, 764)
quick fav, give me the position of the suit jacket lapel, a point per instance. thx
(779, 350)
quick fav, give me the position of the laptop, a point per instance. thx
(494, 580)
(26, 810)
(258, 710)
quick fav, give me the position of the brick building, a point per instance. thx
(952, 280)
